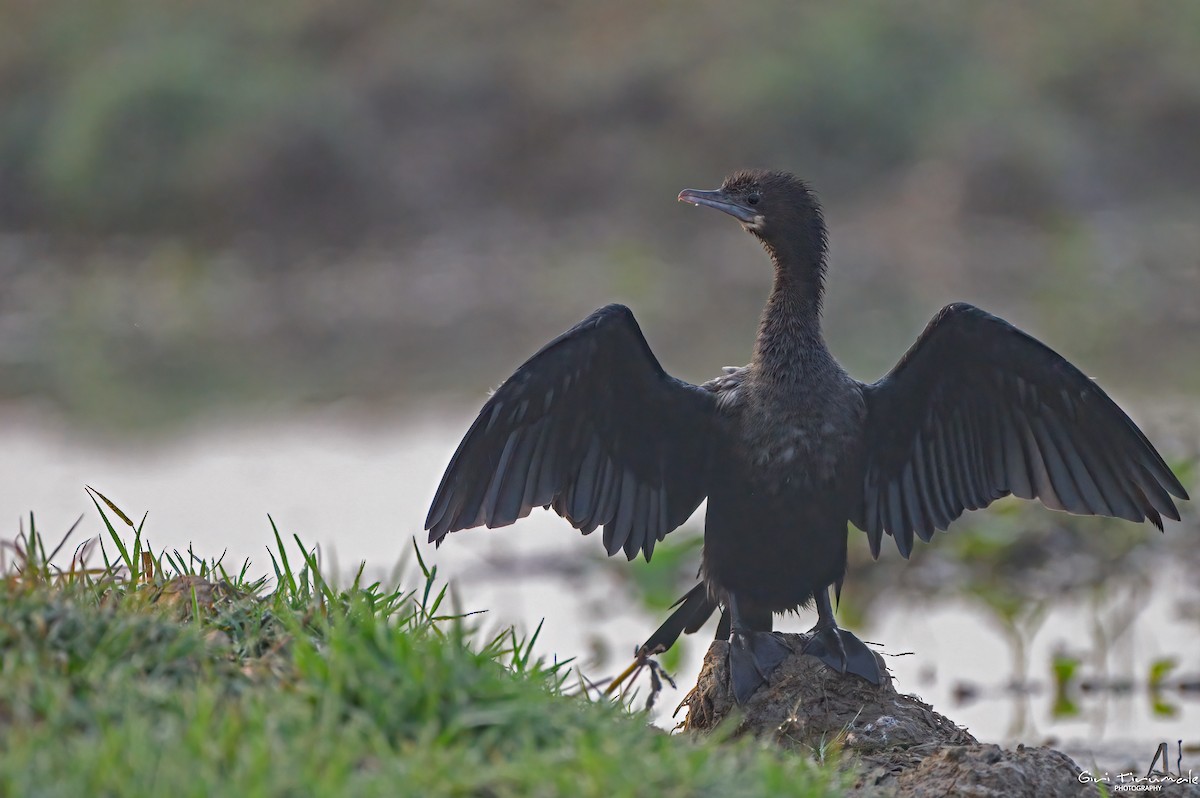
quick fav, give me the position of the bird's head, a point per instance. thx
(777, 207)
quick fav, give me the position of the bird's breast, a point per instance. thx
(804, 440)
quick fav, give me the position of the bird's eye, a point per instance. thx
(752, 199)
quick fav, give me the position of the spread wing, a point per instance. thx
(592, 426)
(978, 409)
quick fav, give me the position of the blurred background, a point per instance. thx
(268, 258)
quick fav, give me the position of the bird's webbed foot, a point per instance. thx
(843, 652)
(754, 650)
(752, 658)
(840, 649)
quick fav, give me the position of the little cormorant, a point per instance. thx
(789, 448)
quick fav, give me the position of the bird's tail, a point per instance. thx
(692, 610)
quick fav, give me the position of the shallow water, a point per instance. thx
(359, 488)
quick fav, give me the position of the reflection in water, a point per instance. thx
(359, 489)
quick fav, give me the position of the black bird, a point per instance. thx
(789, 448)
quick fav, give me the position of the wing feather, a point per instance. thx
(976, 410)
(593, 427)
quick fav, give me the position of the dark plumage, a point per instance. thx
(789, 448)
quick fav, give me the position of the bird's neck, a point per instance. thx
(789, 342)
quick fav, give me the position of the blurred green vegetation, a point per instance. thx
(310, 116)
(209, 205)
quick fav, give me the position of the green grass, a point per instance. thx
(166, 674)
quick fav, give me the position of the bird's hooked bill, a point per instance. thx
(721, 201)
